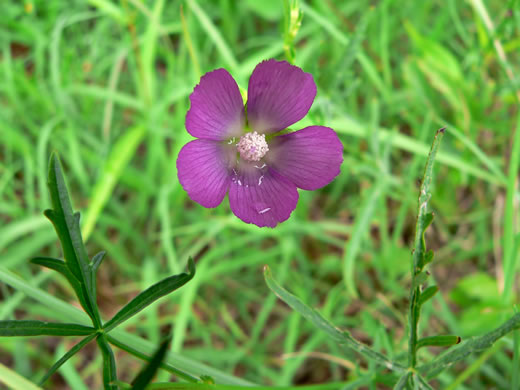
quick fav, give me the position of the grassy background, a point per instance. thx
(106, 85)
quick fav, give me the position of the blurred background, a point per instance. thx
(106, 84)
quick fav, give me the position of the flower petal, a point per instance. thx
(279, 94)
(310, 158)
(217, 109)
(260, 195)
(204, 170)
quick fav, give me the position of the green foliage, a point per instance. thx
(146, 375)
(81, 274)
(40, 328)
(78, 77)
(340, 337)
(412, 377)
(150, 295)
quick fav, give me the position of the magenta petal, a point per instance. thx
(261, 196)
(310, 158)
(204, 167)
(279, 94)
(217, 109)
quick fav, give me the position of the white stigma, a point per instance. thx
(252, 146)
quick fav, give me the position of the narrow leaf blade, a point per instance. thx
(476, 344)
(425, 218)
(65, 221)
(148, 372)
(66, 224)
(427, 294)
(403, 382)
(55, 264)
(61, 267)
(75, 349)
(438, 341)
(341, 337)
(96, 261)
(23, 328)
(93, 266)
(150, 295)
(109, 363)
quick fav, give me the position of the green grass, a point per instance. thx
(106, 85)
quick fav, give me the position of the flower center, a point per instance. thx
(252, 146)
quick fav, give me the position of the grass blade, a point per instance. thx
(510, 255)
(118, 159)
(14, 381)
(215, 35)
(75, 349)
(360, 229)
(339, 336)
(150, 295)
(13, 328)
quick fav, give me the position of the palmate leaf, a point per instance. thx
(66, 224)
(341, 337)
(146, 375)
(150, 295)
(41, 328)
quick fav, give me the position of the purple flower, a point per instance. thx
(238, 149)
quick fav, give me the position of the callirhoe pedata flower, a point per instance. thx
(244, 150)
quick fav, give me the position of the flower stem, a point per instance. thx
(420, 257)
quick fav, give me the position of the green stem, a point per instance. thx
(413, 321)
(420, 257)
